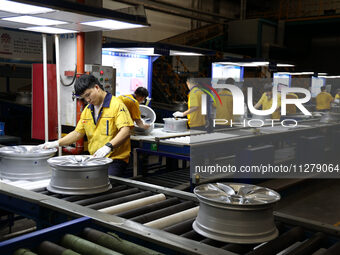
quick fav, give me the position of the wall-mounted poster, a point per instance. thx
(21, 46)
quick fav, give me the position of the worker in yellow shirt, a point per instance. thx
(337, 96)
(266, 102)
(224, 111)
(105, 121)
(291, 108)
(132, 103)
(194, 113)
(323, 100)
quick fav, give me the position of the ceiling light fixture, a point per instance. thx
(111, 24)
(35, 20)
(49, 30)
(331, 76)
(246, 64)
(284, 65)
(182, 53)
(19, 8)
(297, 73)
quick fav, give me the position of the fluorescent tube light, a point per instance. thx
(142, 51)
(35, 20)
(49, 30)
(182, 53)
(246, 64)
(111, 24)
(331, 76)
(19, 8)
(284, 65)
(297, 73)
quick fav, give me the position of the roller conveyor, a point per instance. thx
(79, 236)
(296, 235)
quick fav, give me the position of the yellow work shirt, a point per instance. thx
(195, 119)
(337, 96)
(267, 104)
(291, 108)
(132, 104)
(225, 111)
(111, 118)
(323, 101)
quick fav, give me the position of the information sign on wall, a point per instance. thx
(20, 45)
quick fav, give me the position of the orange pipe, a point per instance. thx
(80, 105)
(80, 54)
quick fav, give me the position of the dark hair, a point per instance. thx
(142, 92)
(85, 82)
(226, 81)
(193, 80)
(323, 88)
(268, 87)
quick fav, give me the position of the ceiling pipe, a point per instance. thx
(180, 11)
(211, 14)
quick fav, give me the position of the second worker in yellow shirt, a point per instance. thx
(132, 103)
(291, 108)
(195, 118)
(323, 100)
(224, 111)
(266, 102)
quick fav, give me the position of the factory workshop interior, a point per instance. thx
(169, 127)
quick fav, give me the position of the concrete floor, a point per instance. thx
(317, 200)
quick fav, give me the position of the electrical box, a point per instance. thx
(105, 74)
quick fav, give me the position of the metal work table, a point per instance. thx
(151, 145)
(230, 141)
(159, 133)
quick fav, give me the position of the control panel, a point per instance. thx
(105, 74)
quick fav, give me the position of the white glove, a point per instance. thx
(178, 114)
(49, 145)
(102, 152)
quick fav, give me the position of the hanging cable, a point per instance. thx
(73, 78)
